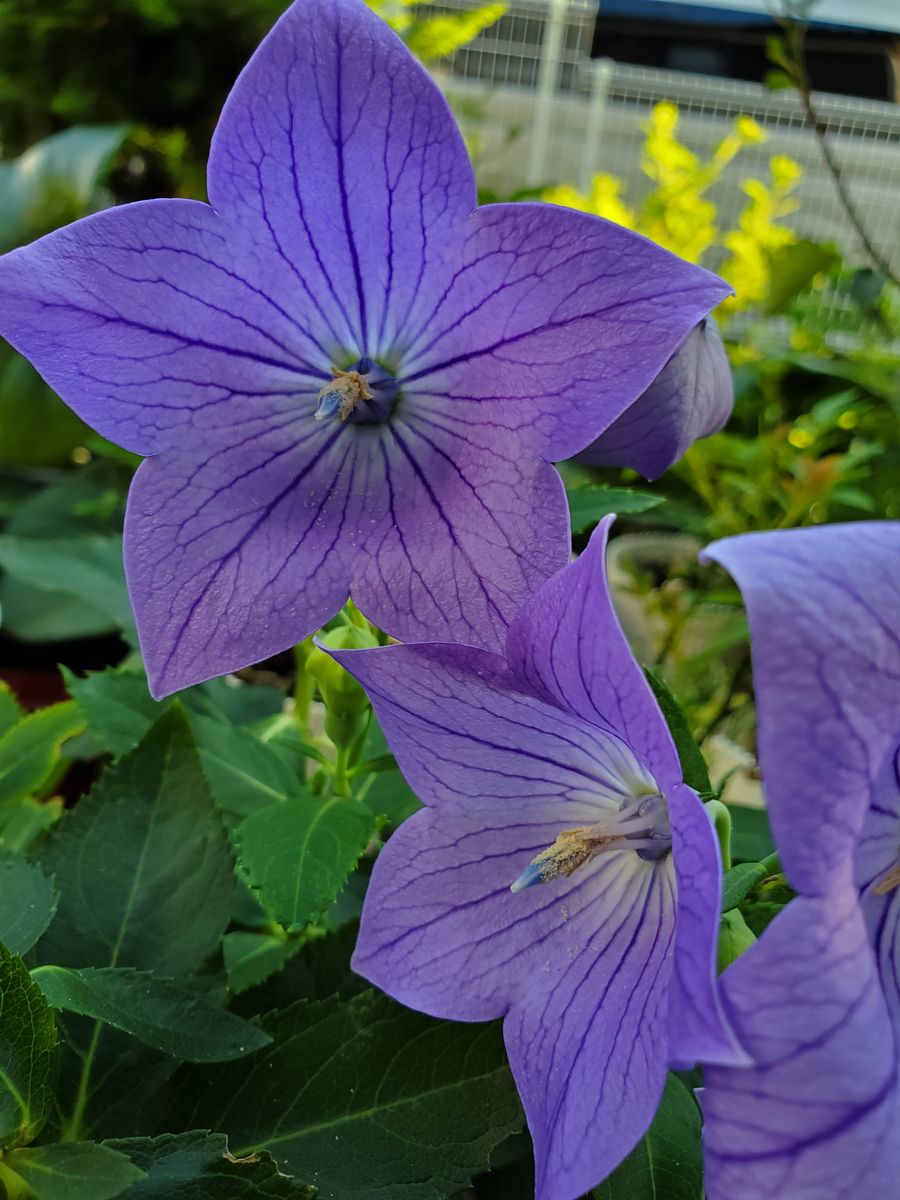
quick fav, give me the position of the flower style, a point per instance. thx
(562, 875)
(816, 1001)
(346, 377)
(691, 398)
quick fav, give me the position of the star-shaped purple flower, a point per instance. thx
(561, 876)
(347, 377)
(816, 1001)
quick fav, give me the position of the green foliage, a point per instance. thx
(589, 502)
(433, 37)
(28, 902)
(667, 1161)
(75, 1171)
(693, 765)
(173, 1019)
(198, 1166)
(410, 1111)
(297, 854)
(28, 1050)
(29, 750)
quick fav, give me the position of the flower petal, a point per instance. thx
(692, 397)
(338, 155)
(817, 1117)
(553, 324)
(878, 863)
(474, 529)
(579, 966)
(568, 645)
(824, 609)
(154, 323)
(698, 1028)
(239, 554)
(469, 738)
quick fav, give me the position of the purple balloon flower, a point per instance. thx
(816, 1001)
(692, 397)
(347, 377)
(561, 876)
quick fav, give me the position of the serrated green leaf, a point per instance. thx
(693, 764)
(28, 901)
(142, 863)
(116, 705)
(30, 749)
(197, 1166)
(589, 502)
(75, 1171)
(297, 855)
(739, 882)
(250, 958)
(28, 1052)
(320, 969)
(244, 774)
(159, 1012)
(365, 1100)
(667, 1163)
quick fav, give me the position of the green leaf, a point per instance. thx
(792, 269)
(735, 937)
(739, 882)
(25, 822)
(667, 1163)
(142, 863)
(159, 1012)
(116, 705)
(589, 502)
(89, 567)
(297, 855)
(318, 970)
(693, 764)
(29, 750)
(10, 712)
(76, 1171)
(28, 901)
(364, 1099)
(28, 1051)
(751, 837)
(197, 1166)
(250, 958)
(387, 794)
(243, 774)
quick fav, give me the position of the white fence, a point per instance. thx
(549, 114)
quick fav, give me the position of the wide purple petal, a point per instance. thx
(567, 644)
(698, 1028)
(469, 737)
(692, 397)
(472, 526)
(156, 325)
(878, 875)
(235, 554)
(553, 323)
(817, 1117)
(578, 966)
(824, 610)
(337, 155)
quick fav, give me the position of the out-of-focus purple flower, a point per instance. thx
(815, 1001)
(692, 397)
(348, 378)
(562, 875)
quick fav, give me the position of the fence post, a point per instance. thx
(601, 81)
(547, 85)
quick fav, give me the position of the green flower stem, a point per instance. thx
(341, 779)
(772, 864)
(721, 819)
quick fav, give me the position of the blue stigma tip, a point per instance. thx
(329, 405)
(529, 877)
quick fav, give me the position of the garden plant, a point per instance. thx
(449, 736)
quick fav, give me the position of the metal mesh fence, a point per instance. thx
(540, 111)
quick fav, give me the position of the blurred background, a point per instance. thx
(761, 142)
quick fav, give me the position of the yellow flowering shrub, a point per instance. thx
(679, 215)
(431, 37)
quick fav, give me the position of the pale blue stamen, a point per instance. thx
(329, 404)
